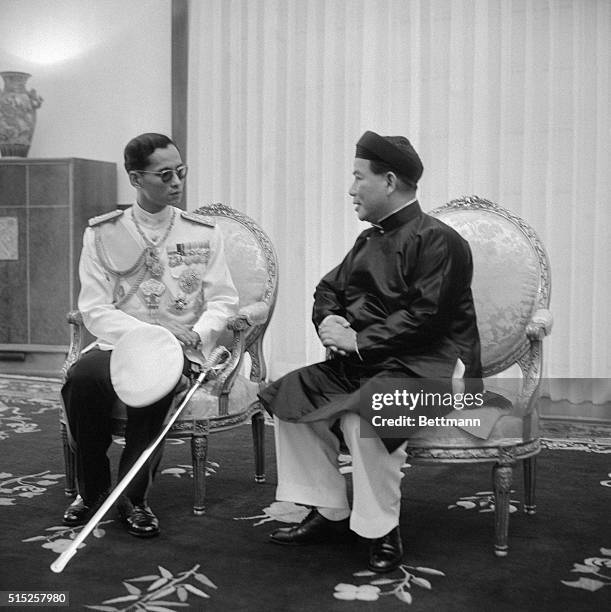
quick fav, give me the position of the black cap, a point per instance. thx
(396, 151)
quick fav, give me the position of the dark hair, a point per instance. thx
(381, 167)
(138, 150)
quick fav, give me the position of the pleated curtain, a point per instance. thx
(505, 99)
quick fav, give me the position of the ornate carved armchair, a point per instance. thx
(511, 287)
(230, 399)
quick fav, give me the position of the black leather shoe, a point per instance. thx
(78, 512)
(385, 553)
(314, 529)
(139, 519)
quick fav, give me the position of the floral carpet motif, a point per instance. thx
(483, 501)
(184, 470)
(13, 488)
(223, 561)
(399, 586)
(23, 398)
(281, 511)
(593, 567)
(61, 537)
(156, 596)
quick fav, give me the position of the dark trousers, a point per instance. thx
(89, 398)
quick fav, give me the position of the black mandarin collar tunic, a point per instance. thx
(405, 288)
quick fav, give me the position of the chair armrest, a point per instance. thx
(248, 316)
(75, 319)
(225, 378)
(540, 324)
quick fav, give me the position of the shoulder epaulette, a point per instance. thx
(113, 214)
(197, 218)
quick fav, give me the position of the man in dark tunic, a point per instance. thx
(398, 306)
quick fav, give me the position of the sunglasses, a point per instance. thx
(167, 175)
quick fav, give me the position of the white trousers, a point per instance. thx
(308, 473)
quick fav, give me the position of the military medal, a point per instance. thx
(152, 262)
(152, 290)
(174, 258)
(189, 280)
(180, 303)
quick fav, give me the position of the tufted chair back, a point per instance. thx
(511, 279)
(252, 262)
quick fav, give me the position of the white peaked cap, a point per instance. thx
(145, 365)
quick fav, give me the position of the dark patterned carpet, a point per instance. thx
(560, 559)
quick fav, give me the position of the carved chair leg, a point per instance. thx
(69, 463)
(223, 404)
(258, 437)
(199, 451)
(502, 477)
(530, 477)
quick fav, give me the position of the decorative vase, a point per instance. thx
(17, 114)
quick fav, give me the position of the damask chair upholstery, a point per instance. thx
(231, 398)
(511, 287)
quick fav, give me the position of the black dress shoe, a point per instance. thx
(385, 553)
(79, 512)
(314, 529)
(139, 519)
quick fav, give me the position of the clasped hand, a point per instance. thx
(336, 334)
(184, 334)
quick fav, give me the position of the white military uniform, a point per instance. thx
(141, 268)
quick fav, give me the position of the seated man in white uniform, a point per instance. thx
(150, 265)
(399, 304)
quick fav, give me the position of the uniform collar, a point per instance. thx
(400, 217)
(152, 220)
